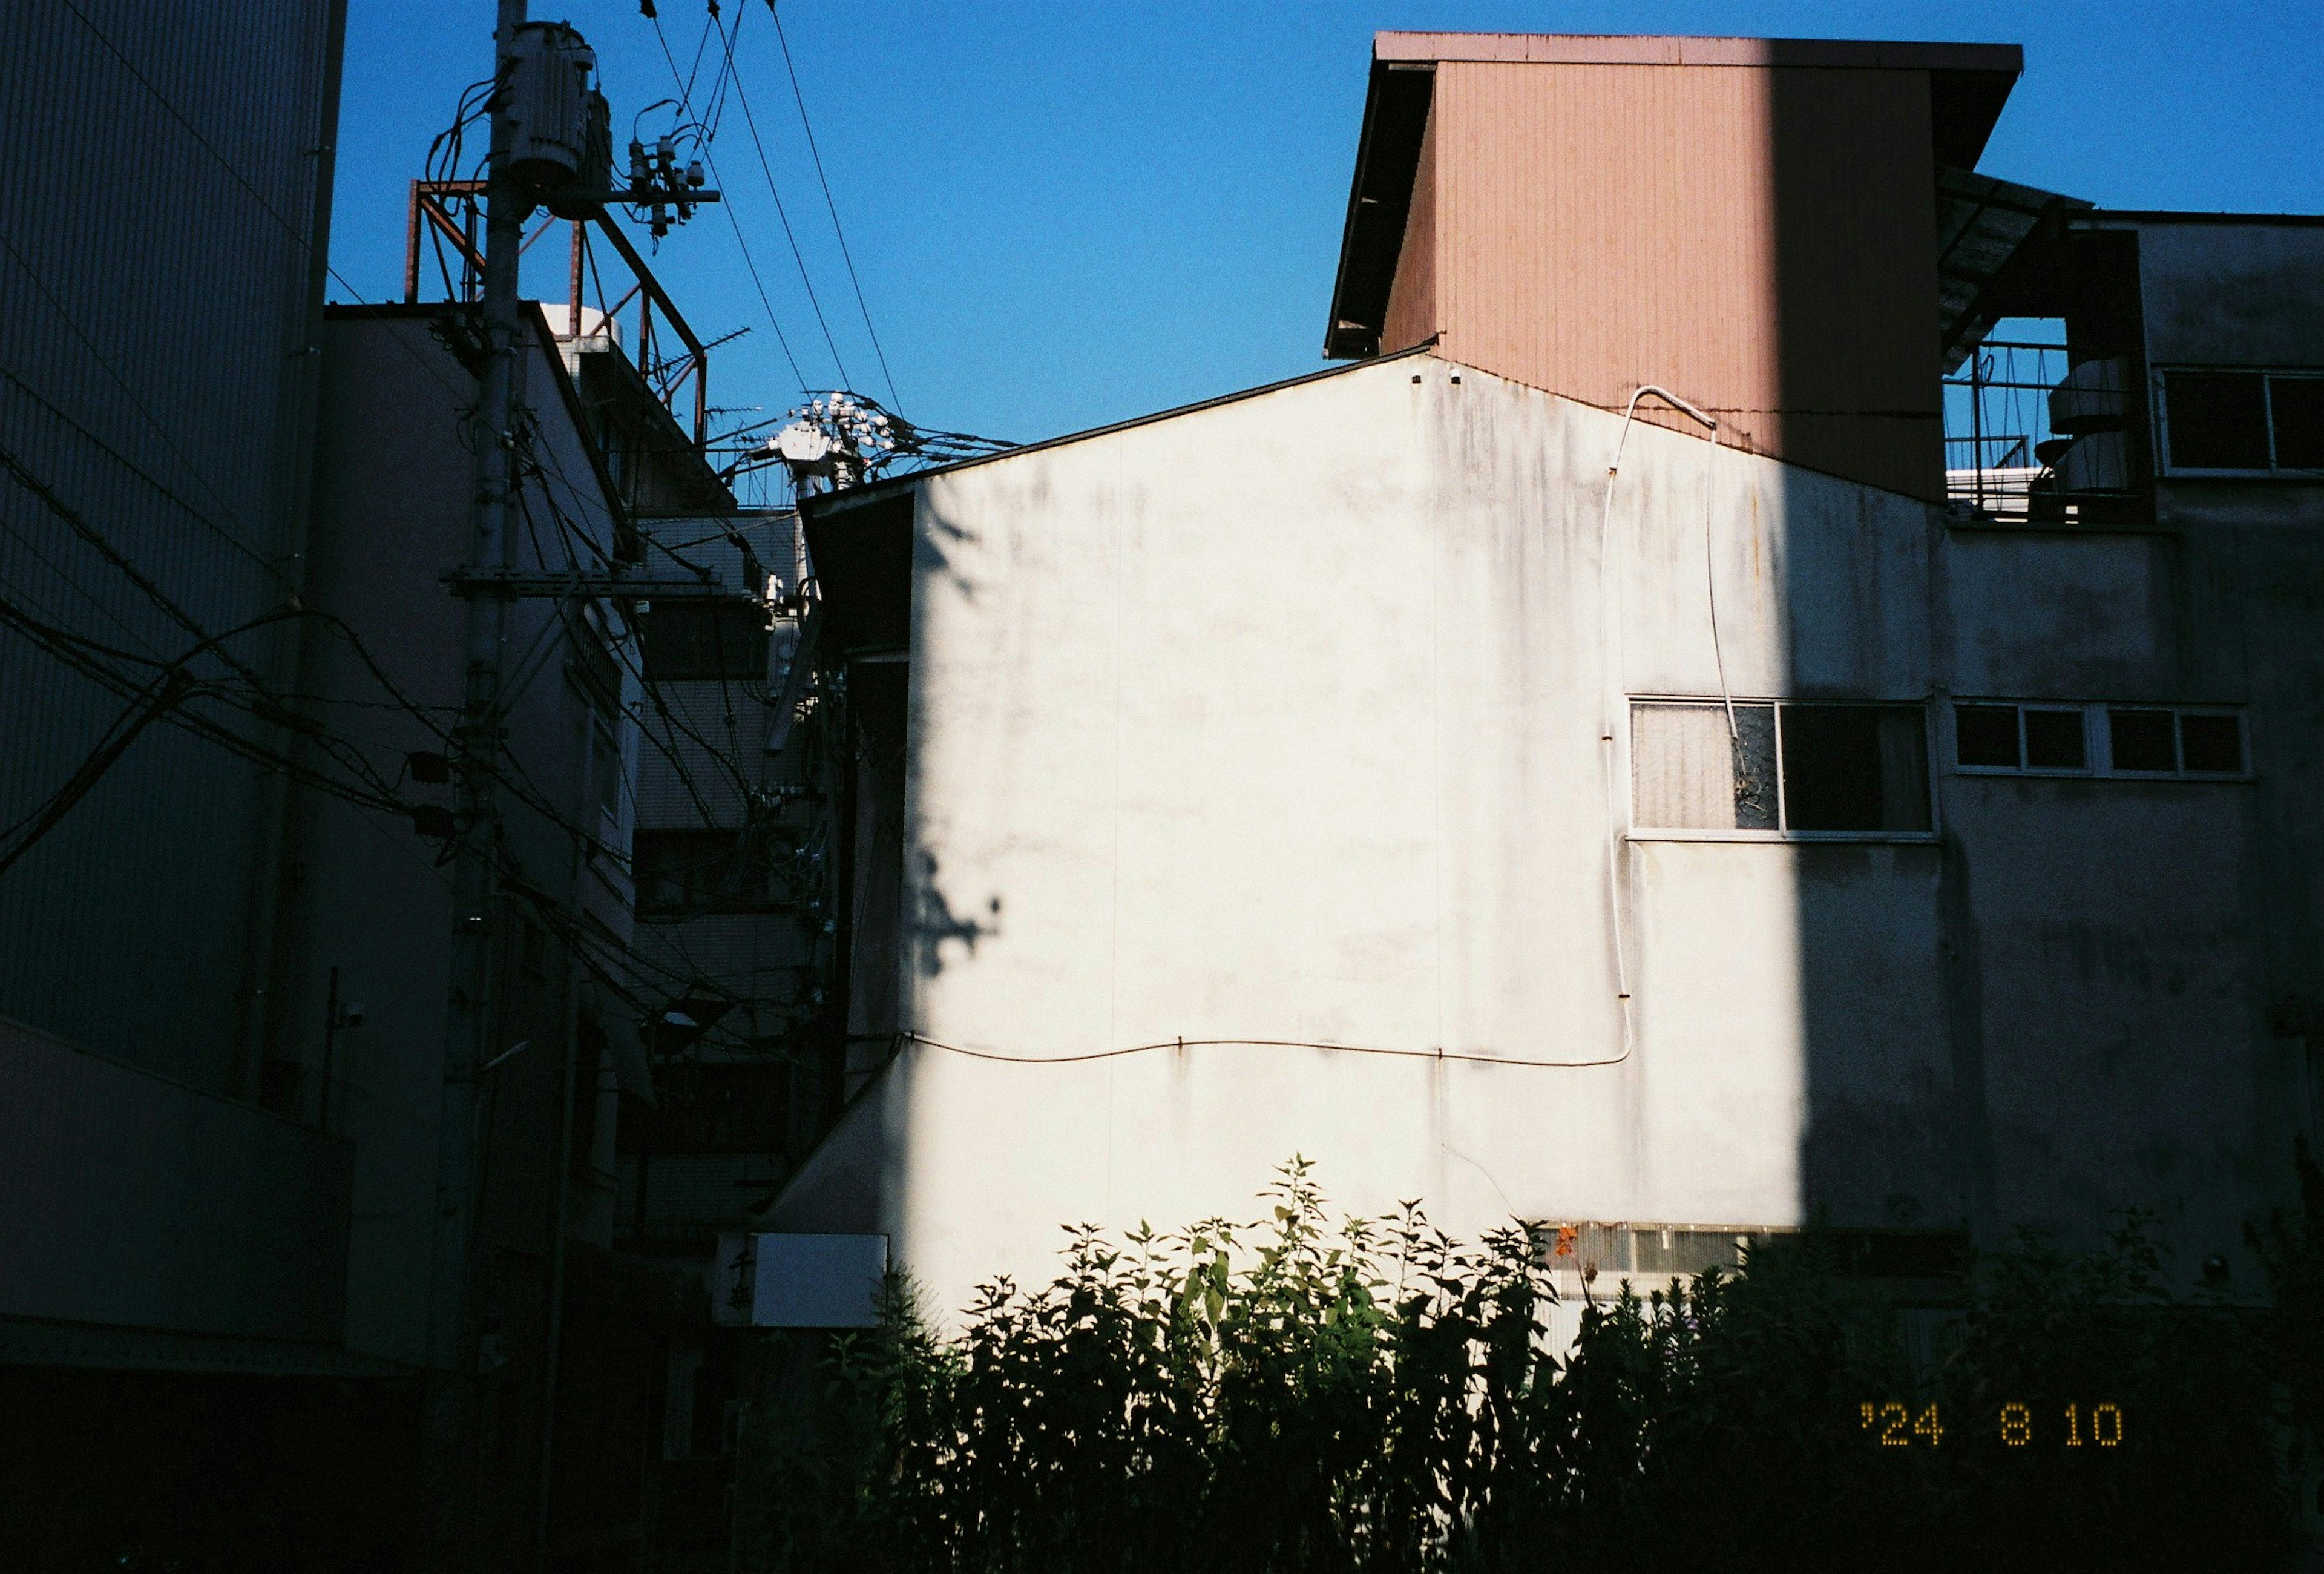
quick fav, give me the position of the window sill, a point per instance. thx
(2287, 473)
(1792, 838)
(2190, 778)
(2142, 523)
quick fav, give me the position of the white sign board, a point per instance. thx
(818, 1281)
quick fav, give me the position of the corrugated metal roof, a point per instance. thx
(1982, 223)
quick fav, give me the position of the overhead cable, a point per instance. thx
(798, 256)
(804, 124)
(1437, 1053)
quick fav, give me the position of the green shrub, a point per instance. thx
(1291, 1397)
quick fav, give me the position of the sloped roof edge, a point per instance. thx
(829, 503)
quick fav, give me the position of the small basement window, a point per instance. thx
(2244, 421)
(1810, 768)
(1993, 737)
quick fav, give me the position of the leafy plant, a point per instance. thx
(1293, 1396)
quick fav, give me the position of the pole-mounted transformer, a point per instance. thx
(552, 146)
(562, 151)
(561, 146)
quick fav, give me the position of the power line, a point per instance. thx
(845, 255)
(756, 282)
(750, 121)
(110, 614)
(126, 463)
(122, 383)
(76, 651)
(111, 554)
(259, 701)
(652, 691)
(260, 198)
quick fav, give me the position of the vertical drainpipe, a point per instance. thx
(268, 953)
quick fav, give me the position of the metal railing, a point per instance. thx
(1996, 419)
(448, 216)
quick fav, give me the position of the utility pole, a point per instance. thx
(550, 144)
(448, 1437)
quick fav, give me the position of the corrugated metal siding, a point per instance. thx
(132, 1200)
(1412, 297)
(1759, 239)
(158, 303)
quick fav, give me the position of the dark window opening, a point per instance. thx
(2142, 740)
(1844, 767)
(1626, 1248)
(592, 1047)
(1854, 767)
(1986, 734)
(2053, 740)
(1902, 1253)
(597, 671)
(725, 639)
(2211, 743)
(2218, 420)
(605, 757)
(697, 871)
(736, 1107)
(2297, 407)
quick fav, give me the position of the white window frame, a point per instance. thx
(1784, 835)
(2097, 740)
(2162, 426)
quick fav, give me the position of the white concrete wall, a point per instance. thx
(1281, 720)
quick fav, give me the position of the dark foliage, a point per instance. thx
(1287, 1397)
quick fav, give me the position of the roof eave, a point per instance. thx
(838, 501)
(1380, 203)
(1969, 84)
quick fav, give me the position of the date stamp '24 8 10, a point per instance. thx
(1894, 1425)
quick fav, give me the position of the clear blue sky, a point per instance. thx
(1065, 215)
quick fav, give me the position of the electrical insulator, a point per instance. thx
(694, 173)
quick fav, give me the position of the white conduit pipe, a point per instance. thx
(1608, 593)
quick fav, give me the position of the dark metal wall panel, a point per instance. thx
(136, 1202)
(166, 182)
(2224, 293)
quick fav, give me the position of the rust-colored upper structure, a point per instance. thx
(1750, 222)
